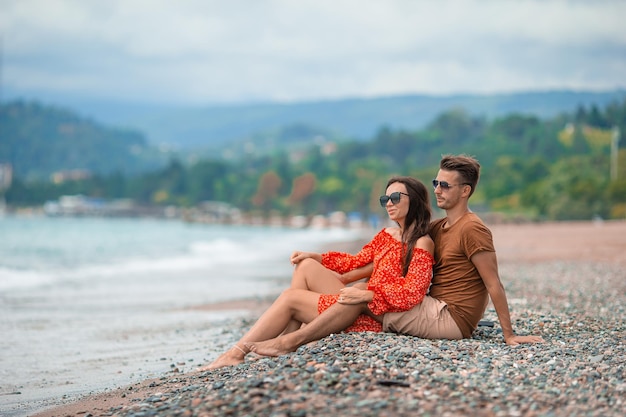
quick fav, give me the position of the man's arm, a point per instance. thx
(487, 265)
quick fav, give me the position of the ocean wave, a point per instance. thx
(43, 252)
(11, 278)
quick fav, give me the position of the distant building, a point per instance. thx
(6, 176)
(72, 205)
(80, 205)
(214, 212)
(60, 177)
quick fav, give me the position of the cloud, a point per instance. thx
(193, 51)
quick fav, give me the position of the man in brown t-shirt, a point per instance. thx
(466, 268)
(464, 277)
(458, 296)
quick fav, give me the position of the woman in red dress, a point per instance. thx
(401, 259)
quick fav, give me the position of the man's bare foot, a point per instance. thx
(233, 356)
(272, 347)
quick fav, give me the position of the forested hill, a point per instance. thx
(568, 167)
(38, 140)
(356, 119)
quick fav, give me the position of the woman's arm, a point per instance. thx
(342, 262)
(403, 293)
(357, 274)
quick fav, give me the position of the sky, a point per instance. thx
(237, 51)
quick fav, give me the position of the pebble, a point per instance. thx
(578, 371)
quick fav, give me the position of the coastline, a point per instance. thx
(559, 278)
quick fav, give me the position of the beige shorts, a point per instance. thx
(429, 320)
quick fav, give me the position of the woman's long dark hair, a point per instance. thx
(418, 217)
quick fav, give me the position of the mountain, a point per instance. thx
(39, 140)
(187, 128)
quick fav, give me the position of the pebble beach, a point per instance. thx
(565, 282)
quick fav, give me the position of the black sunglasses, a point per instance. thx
(445, 185)
(394, 197)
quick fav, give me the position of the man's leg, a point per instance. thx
(335, 319)
(429, 320)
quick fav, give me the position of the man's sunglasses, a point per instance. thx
(394, 197)
(445, 185)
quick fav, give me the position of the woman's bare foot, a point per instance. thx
(233, 356)
(272, 347)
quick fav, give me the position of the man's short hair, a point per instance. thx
(467, 167)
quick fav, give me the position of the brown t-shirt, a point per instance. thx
(455, 278)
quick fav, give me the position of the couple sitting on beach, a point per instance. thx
(412, 289)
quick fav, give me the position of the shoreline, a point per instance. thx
(515, 243)
(527, 252)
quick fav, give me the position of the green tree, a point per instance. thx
(206, 180)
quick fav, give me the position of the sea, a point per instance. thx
(87, 304)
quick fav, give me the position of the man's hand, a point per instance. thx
(518, 340)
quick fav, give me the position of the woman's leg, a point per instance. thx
(297, 304)
(312, 276)
(333, 320)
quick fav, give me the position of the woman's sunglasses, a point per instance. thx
(394, 197)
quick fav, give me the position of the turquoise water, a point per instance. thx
(87, 303)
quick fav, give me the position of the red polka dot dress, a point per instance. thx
(392, 291)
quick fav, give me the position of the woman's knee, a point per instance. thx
(291, 296)
(302, 304)
(306, 264)
(287, 294)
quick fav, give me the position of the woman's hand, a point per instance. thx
(354, 295)
(298, 257)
